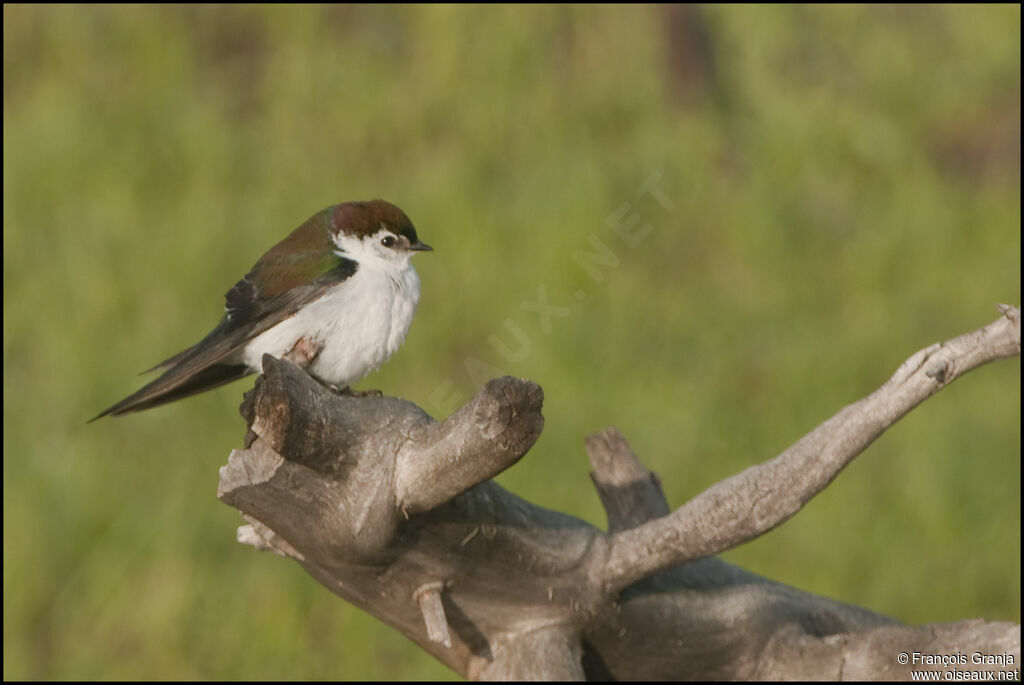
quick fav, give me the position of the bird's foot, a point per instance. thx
(303, 352)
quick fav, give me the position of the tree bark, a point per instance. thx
(395, 513)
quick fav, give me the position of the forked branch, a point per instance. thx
(751, 503)
(395, 512)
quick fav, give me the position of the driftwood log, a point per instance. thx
(396, 513)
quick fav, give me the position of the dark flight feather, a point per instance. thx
(249, 313)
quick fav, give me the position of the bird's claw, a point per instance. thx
(303, 352)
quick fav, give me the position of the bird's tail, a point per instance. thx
(176, 383)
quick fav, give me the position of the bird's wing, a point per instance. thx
(253, 305)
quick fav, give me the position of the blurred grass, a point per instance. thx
(845, 184)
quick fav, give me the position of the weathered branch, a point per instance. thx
(395, 513)
(550, 652)
(753, 502)
(429, 598)
(442, 460)
(631, 494)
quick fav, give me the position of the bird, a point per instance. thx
(338, 294)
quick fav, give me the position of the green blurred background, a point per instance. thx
(844, 190)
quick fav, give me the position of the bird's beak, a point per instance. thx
(420, 246)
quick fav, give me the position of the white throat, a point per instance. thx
(359, 322)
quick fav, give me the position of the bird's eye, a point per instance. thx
(387, 241)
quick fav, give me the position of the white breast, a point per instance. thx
(360, 322)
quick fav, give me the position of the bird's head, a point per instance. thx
(374, 231)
